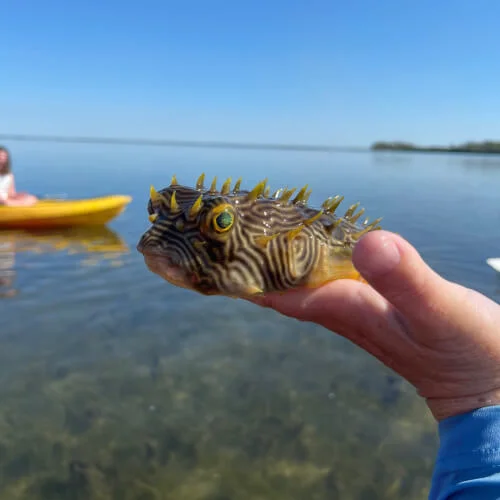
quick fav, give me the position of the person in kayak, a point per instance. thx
(8, 194)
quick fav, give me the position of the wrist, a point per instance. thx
(442, 408)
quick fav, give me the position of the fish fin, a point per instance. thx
(332, 266)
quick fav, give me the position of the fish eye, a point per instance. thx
(222, 218)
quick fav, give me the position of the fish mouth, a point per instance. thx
(160, 262)
(144, 246)
(163, 266)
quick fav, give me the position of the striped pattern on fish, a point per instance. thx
(240, 243)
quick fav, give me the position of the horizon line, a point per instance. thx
(182, 143)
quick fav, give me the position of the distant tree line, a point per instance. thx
(491, 147)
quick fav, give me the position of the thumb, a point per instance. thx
(397, 271)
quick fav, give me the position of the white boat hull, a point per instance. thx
(494, 262)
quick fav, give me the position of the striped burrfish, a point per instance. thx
(242, 243)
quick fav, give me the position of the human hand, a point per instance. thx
(440, 336)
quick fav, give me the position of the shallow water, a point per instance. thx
(114, 384)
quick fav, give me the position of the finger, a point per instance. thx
(396, 270)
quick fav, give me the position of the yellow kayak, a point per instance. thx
(64, 213)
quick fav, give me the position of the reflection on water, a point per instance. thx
(7, 262)
(481, 162)
(94, 243)
(390, 159)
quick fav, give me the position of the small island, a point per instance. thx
(485, 147)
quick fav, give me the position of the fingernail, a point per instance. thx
(379, 256)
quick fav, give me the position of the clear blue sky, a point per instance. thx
(314, 71)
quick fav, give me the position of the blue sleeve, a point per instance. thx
(468, 462)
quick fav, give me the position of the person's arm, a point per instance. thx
(12, 187)
(468, 462)
(441, 337)
(6, 186)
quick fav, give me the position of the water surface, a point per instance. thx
(116, 385)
